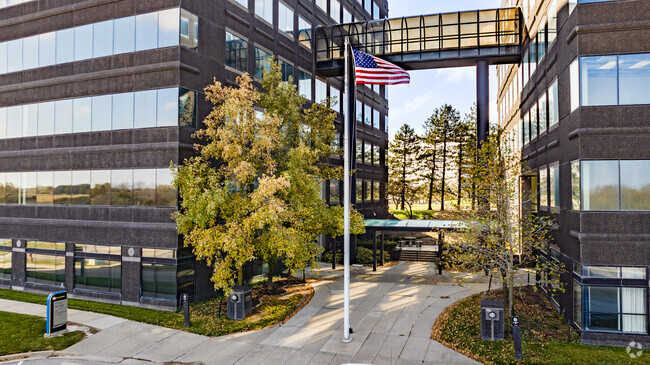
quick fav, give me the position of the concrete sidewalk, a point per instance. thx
(391, 317)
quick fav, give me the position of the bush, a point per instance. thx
(388, 245)
(327, 257)
(364, 256)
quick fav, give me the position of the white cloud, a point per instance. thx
(457, 74)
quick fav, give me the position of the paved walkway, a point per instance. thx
(392, 314)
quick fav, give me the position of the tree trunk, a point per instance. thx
(432, 179)
(269, 282)
(240, 276)
(444, 169)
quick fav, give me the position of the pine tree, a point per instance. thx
(465, 138)
(441, 126)
(428, 158)
(402, 166)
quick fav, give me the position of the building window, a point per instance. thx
(577, 304)
(551, 17)
(236, 52)
(243, 3)
(359, 191)
(359, 110)
(553, 106)
(615, 309)
(97, 187)
(574, 76)
(598, 81)
(347, 17)
(5, 259)
(575, 185)
(600, 185)
(367, 190)
(367, 113)
(285, 19)
(189, 29)
(533, 122)
(375, 118)
(635, 185)
(634, 77)
(532, 55)
(335, 10)
(335, 191)
(554, 186)
(375, 155)
(359, 151)
(543, 118)
(141, 109)
(158, 281)
(264, 9)
(262, 62)
(286, 69)
(45, 263)
(375, 11)
(98, 268)
(304, 84)
(322, 4)
(367, 4)
(321, 91)
(304, 32)
(543, 189)
(367, 153)
(124, 35)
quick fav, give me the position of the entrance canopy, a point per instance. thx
(426, 41)
(412, 225)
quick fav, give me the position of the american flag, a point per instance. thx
(375, 71)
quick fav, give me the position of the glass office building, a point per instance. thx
(97, 100)
(577, 108)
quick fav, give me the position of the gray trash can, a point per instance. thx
(491, 320)
(240, 303)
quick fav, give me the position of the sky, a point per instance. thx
(414, 103)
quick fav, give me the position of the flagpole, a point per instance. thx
(346, 198)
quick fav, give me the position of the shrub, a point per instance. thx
(364, 256)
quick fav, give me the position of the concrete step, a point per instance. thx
(425, 256)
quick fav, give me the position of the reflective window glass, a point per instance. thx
(63, 116)
(264, 9)
(243, 3)
(165, 192)
(82, 108)
(285, 18)
(598, 81)
(167, 107)
(542, 117)
(543, 189)
(635, 185)
(359, 152)
(123, 111)
(3, 181)
(122, 187)
(45, 270)
(347, 17)
(146, 31)
(30, 52)
(236, 52)
(46, 118)
(189, 29)
(335, 191)
(552, 21)
(46, 49)
(304, 84)
(359, 190)
(3, 124)
(101, 112)
(64, 45)
(287, 70)
(62, 187)
(83, 42)
(375, 155)
(322, 4)
(375, 11)
(80, 188)
(45, 187)
(375, 118)
(321, 91)
(98, 274)
(262, 62)
(14, 121)
(5, 264)
(187, 108)
(553, 106)
(541, 42)
(575, 185)
(367, 115)
(554, 186)
(28, 187)
(600, 185)
(144, 187)
(168, 27)
(103, 39)
(574, 76)
(100, 187)
(158, 281)
(30, 120)
(634, 78)
(15, 55)
(304, 32)
(145, 109)
(12, 187)
(335, 10)
(3, 57)
(124, 39)
(359, 111)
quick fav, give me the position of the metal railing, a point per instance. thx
(494, 29)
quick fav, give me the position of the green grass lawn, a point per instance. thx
(22, 333)
(544, 335)
(204, 315)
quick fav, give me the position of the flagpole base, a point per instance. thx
(347, 340)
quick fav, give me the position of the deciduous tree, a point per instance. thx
(253, 191)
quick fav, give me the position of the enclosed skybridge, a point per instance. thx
(426, 41)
